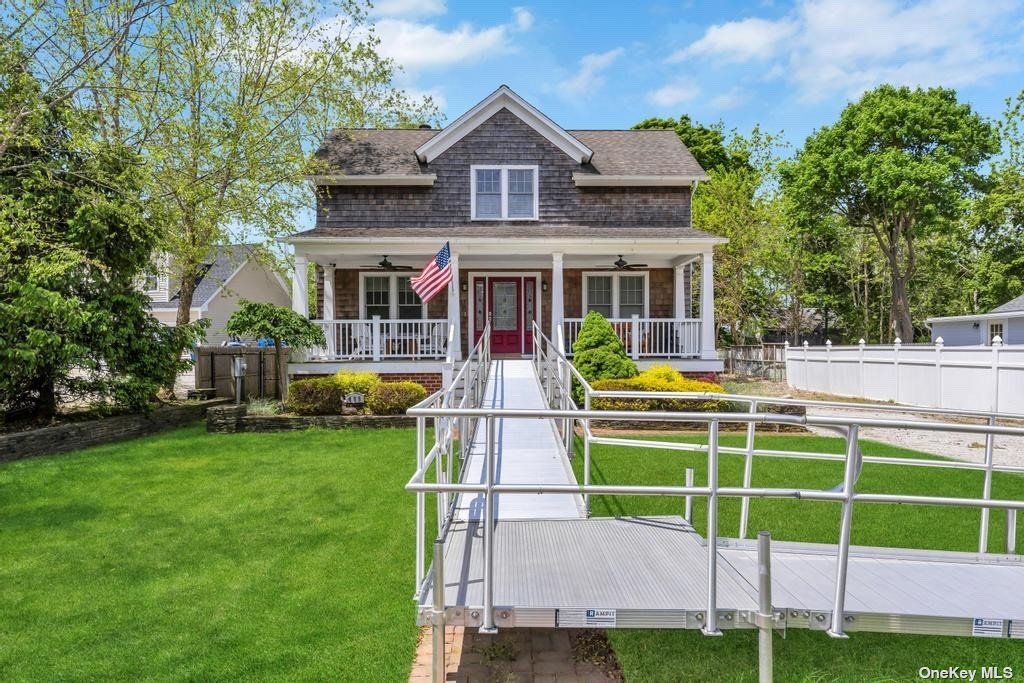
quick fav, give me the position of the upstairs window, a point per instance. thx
(503, 192)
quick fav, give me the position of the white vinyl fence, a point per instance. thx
(987, 378)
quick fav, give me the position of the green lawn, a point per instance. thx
(805, 656)
(211, 557)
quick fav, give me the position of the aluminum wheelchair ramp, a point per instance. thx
(651, 572)
(526, 452)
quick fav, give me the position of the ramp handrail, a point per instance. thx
(466, 390)
(558, 378)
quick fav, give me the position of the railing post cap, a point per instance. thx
(897, 341)
(786, 343)
(828, 343)
(806, 343)
(997, 340)
(939, 341)
(861, 342)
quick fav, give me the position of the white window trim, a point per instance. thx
(504, 168)
(615, 275)
(986, 334)
(392, 295)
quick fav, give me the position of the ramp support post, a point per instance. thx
(843, 555)
(711, 622)
(489, 436)
(986, 491)
(437, 660)
(688, 506)
(1011, 532)
(764, 599)
(748, 471)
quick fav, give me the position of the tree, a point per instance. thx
(225, 102)
(740, 202)
(74, 238)
(270, 321)
(900, 165)
(706, 143)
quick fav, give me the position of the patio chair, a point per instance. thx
(362, 342)
(434, 344)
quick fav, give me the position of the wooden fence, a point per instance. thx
(213, 369)
(760, 360)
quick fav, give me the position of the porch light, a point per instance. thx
(465, 286)
(544, 285)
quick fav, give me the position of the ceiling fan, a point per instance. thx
(385, 264)
(621, 264)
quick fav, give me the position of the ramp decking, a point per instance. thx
(526, 452)
(651, 572)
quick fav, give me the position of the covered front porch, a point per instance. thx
(658, 296)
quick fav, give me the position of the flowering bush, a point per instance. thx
(658, 378)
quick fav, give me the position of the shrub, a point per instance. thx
(658, 378)
(316, 396)
(597, 333)
(263, 406)
(394, 398)
(358, 382)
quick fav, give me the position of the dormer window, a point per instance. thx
(503, 192)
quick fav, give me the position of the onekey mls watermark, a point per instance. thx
(961, 673)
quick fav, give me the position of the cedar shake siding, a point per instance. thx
(502, 139)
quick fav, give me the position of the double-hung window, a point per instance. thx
(616, 295)
(390, 297)
(504, 192)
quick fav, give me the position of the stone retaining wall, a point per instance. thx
(234, 418)
(75, 435)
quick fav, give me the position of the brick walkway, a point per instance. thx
(513, 656)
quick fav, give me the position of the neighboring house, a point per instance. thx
(545, 224)
(1006, 322)
(230, 273)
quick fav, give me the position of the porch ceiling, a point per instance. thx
(525, 262)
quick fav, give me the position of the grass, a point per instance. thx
(650, 656)
(211, 557)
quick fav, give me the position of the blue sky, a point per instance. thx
(790, 67)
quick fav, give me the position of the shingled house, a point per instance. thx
(545, 224)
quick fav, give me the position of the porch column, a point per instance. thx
(454, 307)
(707, 306)
(557, 302)
(300, 286)
(679, 298)
(328, 313)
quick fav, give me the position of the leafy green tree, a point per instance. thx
(998, 218)
(899, 164)
(225, 101)
(269, 321)
(706, 143)
(74, 238)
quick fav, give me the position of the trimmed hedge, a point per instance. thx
(356, 382)
(598, 354)
(316, 396)
(658, 378)
(394, 398)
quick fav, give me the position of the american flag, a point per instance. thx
(435, 276)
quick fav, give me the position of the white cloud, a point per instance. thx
(825, 47)
(590, 74)
(408, 8)
(674, 93)
(732, 98)
(434, 93)
(415, 45)
(523, 18)
(739, 40)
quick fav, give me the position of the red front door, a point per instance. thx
(505, 299)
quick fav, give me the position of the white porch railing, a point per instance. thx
(648, 337)
(381, 339)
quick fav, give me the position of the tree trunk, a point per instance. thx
(186, 292)
(900, 309)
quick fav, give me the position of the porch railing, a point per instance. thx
(648, 337)
(381, 339)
